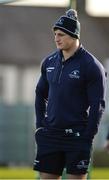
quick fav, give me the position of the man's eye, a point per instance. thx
(62, 34)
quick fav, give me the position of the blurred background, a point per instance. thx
(25, 39)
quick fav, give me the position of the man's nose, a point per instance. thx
(56, 38)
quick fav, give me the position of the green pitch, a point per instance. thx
(28, 173)
(100, 173)
(17, 173)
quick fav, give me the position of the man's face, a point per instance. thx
(63, 41)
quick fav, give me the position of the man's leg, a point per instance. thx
(73, 177)
(50, 166)
(77, 164)
(49, 176)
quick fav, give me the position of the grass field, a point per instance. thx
(28, 173)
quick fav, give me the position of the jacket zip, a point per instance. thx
(60, 74)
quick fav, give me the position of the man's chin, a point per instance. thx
(60, 48)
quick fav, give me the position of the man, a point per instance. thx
(69, 104)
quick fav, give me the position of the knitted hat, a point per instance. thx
(69, 24)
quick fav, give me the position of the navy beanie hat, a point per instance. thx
(69, 24)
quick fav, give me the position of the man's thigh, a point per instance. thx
(77, 162)
(52, 163)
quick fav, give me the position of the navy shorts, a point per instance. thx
(52, 157)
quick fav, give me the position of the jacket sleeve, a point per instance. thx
(96, 88)
(41, 97)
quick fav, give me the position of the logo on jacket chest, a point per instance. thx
(75, 74)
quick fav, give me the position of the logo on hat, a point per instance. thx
(60, 21)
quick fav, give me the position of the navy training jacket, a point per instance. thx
(71, 93)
